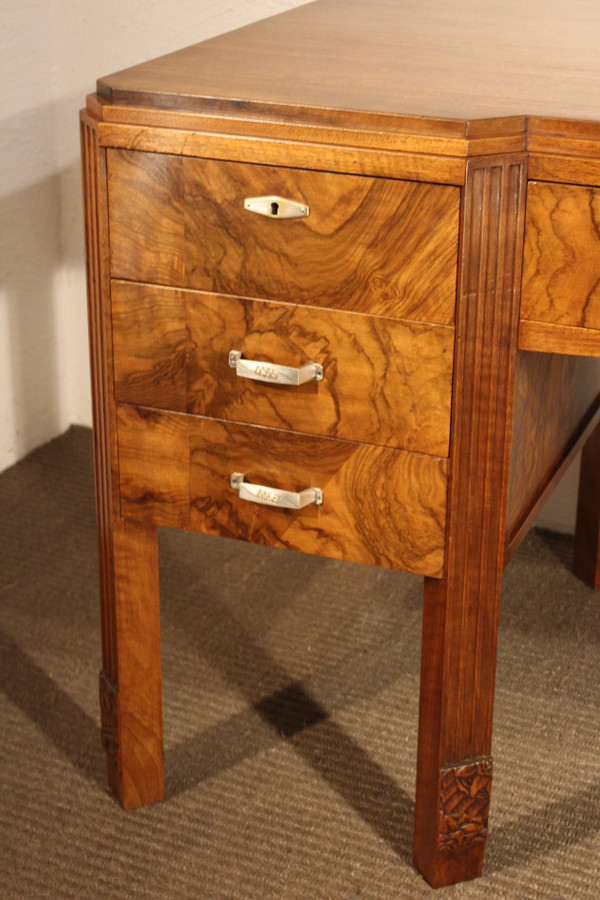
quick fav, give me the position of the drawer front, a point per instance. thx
(373, 245)
(384, 381)
(380, 506)
(561, 272)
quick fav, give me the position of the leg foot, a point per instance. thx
(130, 683)
(455, 715)
(586, 559)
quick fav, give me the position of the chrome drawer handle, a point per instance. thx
(269, 496)
(276, 207)
(272, 373)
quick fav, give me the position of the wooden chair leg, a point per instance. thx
(586, 559)
(130, 682)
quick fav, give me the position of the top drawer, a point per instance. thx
(371, 245)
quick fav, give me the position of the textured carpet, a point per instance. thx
(290, 702)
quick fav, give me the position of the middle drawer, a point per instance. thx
(385, 381)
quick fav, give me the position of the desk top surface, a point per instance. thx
(447, 62)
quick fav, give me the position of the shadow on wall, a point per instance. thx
(38, 255)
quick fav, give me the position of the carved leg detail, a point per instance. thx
(586, 559)
(464, 805)
(455, 851)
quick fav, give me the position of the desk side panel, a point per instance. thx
(556, 399)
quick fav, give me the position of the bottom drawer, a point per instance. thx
(380, 506)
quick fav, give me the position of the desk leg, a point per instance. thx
(130, 681)
(454, 765)
(460, 611)
(586, 559)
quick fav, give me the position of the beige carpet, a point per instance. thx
(290, 700)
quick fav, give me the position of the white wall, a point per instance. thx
(50, 57)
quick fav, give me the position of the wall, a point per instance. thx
(50, 56)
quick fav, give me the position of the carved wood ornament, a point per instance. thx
(464, 805)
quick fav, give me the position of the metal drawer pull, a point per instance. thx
(272, 373)
(276, 207)
(269, 496)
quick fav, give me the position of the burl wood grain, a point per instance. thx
(383, 507)
(146, 218)
(151, 345)
(460, 611)
(384, 381)
(369, 245)
(154, 466)
(561, 269)
(555, 398)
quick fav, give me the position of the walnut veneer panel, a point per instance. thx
(561, 271)
(380, 506)
(374, 245)
(154, 466)
(151, 346)
(385, 381)
(146, 218)
(555, 397)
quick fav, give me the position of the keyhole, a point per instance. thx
(274, 208)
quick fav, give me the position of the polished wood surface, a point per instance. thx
(146, 217)
(460, 611)
(561, 266)
(152, 347)
(555, 398)
(407, 234)
(547, 166)
(175, 470)
(474, 60)
(138, 739)
(343, 157)
(515, 537)
(410, 128)
(154, 466)
(568, 340)
(390, 135)
(385, 381)
(128, 552)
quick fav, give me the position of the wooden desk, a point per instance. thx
(396, 204)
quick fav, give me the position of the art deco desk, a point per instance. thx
(344, 271)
